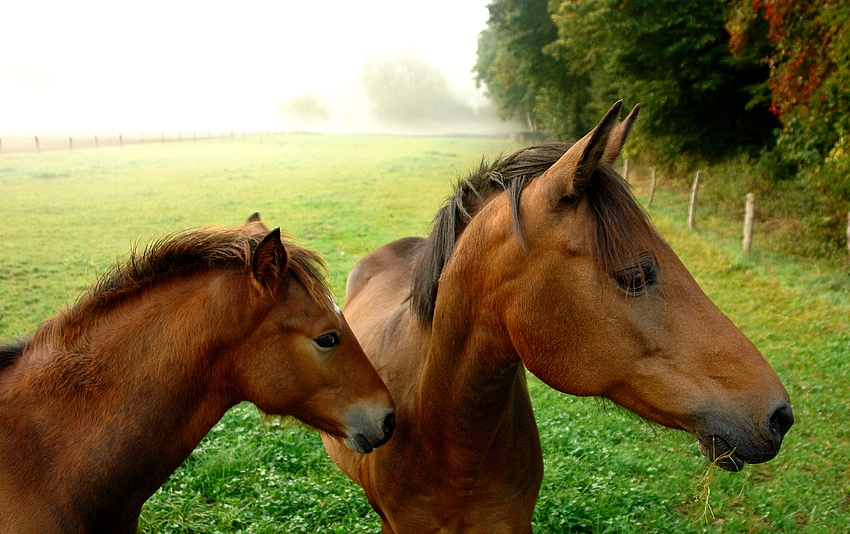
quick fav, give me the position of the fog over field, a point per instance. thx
(157, 66)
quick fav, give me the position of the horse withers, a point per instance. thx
(541, 261)
(104, 401)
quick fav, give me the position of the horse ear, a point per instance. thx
(254, 217)
(619, 136)
(571, 173)
(269, 260)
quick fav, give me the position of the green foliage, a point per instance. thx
(69, 214)
(672, 57)
(564, 63)
(807, 45)
(523, 77)
(407, 89)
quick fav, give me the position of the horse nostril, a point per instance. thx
(781, 421)
(389, 424)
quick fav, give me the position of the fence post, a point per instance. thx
(121, 140)
(163, 137)
(37, 145)
(748, 221)
(651, 188)
(96, 146)
(626, 170)
(692, 209)
(70, 143)
(179, 137)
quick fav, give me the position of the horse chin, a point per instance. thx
(720, 453)
(359, 443)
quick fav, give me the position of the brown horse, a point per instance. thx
(104, 401)
(542, 261)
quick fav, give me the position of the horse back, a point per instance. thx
(384, 275)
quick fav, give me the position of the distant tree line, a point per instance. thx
(404, 88)
(717, 78)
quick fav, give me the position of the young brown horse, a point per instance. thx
(542, 261)
(105, 400)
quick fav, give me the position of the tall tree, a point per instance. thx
(808, 51)
(671, 55)
(563, 62)
(523, 78)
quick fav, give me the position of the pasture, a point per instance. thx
(67, 215)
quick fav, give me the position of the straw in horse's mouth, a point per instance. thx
(720, 453)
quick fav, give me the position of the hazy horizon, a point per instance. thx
(99, 66)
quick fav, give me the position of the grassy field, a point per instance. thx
(67, 215)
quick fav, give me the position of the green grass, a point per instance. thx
(66, 216)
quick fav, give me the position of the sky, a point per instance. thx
(174, 65)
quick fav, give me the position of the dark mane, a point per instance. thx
(185, 254)
(10, 353)
(622, 228)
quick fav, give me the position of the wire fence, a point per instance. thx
(13, 144)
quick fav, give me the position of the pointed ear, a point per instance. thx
(269, 260)
(254, 226)
(570, 175)
(619, 136)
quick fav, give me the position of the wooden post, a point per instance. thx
(121, 140)
(163, 138)
(651, 188)
(748, 221)
(209, 137)
(194, 137)
(179, 137)
(692, 209)
(626, 170)
(143, 139)
(70, 143)
(37, 145)
(95, 143)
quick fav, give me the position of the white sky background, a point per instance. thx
(176, 65)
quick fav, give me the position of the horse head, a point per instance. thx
(306, 361)
(595, 302)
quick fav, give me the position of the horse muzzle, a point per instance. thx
(367, 433)
(730, 446)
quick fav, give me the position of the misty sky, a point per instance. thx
(175, 65)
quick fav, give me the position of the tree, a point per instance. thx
(672, 56)
(806, 44)
(523, 78)
(304, 110)
(406, 89)
(563, 63)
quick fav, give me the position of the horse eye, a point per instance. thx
(327, 341)
(638, 279)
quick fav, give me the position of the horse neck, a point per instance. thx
(473, 391)
(145, 401)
